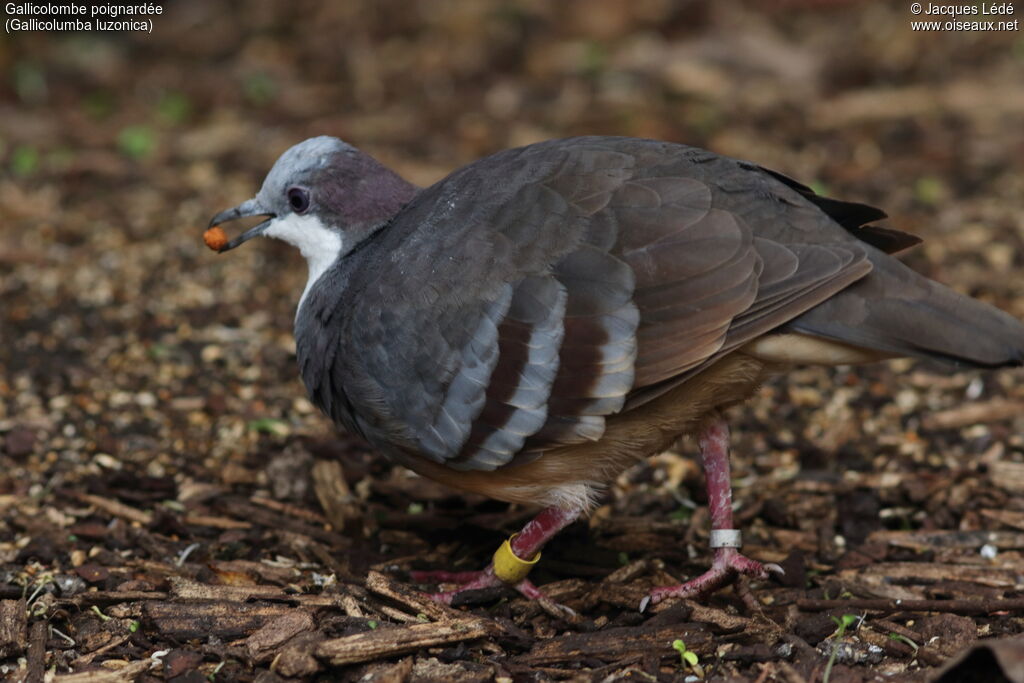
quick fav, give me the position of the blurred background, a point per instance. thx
(132, 356)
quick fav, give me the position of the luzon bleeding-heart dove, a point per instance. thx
(543, 318)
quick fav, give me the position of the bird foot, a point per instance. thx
(471, 581)
(728, 565)
(485, 578)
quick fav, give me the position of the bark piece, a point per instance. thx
(221, 618)
(391, 642)
(615, 644)
(999, 660)
(340, 506)
(13, 628)
(275, 633)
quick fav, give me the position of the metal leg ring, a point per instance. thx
(726, 538)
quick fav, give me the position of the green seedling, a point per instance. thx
(681, 514)
(136, 142)
(101, 615)
(688, 659)
(259, 89)
(174, 107)
(268, 425)
(24, 160)
(212, 676)
(929, 190)
(842, 623)
(906, 641)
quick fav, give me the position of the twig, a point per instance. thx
(296, 511)
(952, 606)
(87, 659)
(111, 597)
(115, 508)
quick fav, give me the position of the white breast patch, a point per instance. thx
(320, 245)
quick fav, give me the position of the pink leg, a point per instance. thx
(526, 544)
(728, 563)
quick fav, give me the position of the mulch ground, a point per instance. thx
(172, 508)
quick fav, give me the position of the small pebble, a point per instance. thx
(19, 442)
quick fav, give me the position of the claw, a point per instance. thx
(728, 565)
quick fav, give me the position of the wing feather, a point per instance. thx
(544, 289)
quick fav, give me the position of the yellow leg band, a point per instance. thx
(509, 567)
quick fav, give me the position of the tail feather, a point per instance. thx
(896, 310)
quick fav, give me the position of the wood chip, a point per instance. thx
(984, 412)
(36, 653)
(216, 522)
(416, 602)
(1008, 476)
(934, 540)
(390, 642)
(220, 618)
(290, 510)
(334, 494)
(13, 628)
(116, 508)
(186, 589)
(1013, 518)
(128, 672)
(929, 572)
(276, 632)
(614, 644)
(951, 606)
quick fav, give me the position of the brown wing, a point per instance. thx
(705, 283)
(516, 304)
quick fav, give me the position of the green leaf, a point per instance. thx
(99, 104)
(24, 161)
(372, 624)
(268, 425)
(29, 82)
(929, 190)
(681, 514)
(259, 88)
(174, 107)
(136, 142)
(691, 657)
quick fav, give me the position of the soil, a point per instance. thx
(173, 508)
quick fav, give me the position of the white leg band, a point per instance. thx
(725, 538)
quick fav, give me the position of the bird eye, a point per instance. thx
(298, 199)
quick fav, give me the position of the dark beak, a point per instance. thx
(250, 207)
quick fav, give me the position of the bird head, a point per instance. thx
(323, 196)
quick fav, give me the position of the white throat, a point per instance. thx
(320, 245)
